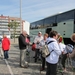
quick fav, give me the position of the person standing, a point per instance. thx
(53, 58)
(63, 56)
(22, 46)
(42, 43)
(72, 55)
(37, 40)
(5, 46)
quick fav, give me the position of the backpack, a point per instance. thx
(45, 51)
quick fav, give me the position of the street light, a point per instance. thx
(20, 17)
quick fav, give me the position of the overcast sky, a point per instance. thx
(33, 10)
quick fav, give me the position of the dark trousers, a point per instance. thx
(51, 69)
(6, 54)
(64, 57)
(43, 62)
(37, 53)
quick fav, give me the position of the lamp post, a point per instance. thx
(20, 17)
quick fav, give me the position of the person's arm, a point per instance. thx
(9, 41)
(56, 48)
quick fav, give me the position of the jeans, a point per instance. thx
(37, 53)
(6, 54)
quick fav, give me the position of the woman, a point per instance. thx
(63, 56)
(41, 44)
(5, 46)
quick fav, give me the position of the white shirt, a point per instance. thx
(62, 46)
(42, 42)
(54, 56)
(37, 38)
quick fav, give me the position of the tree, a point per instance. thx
(13, 25)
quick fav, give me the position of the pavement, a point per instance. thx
(11, 66)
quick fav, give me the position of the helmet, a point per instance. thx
(69, 48)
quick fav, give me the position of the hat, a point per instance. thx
(40, 33)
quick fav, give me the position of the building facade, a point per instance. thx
(4, 29)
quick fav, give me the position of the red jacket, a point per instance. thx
(5, 44)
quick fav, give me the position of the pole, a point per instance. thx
(20, 17)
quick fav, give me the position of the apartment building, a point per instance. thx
(4, 29)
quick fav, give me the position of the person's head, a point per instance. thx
(53, 34)
(24, 33)
(4, 36)
(59, 35)
(39, 34)
(59, 39)
(73, 37)
(45, 36)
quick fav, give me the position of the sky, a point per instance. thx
(33, 10)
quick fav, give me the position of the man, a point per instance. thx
(22, 46)
(72, 55)
(37, 40)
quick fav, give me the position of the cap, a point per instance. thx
(40, 33)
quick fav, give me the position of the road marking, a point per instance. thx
(9, 67)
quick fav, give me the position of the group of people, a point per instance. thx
(40, 40)
(57, 46)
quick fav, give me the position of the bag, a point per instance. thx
(33, 47)
(45, 51)
(69, 48)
